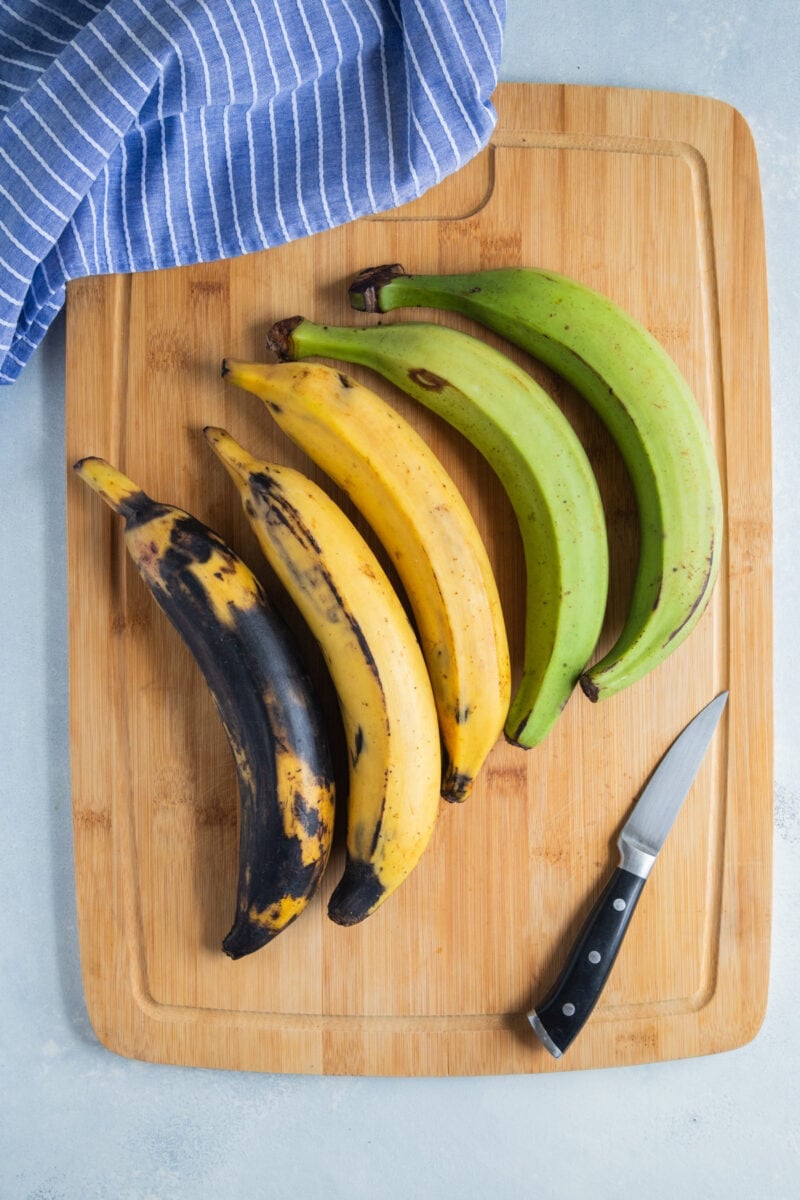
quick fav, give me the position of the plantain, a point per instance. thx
(647, 406)
(421, 519)
(375, 664)
(262, 694)
(541, 464)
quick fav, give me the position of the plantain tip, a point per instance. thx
(456, 786)
(589, 688)
(356, 895)
(213, 436)
(512, 738)
(245, 938)
(119, 492)
(216, 438)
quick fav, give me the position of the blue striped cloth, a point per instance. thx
(139, 134)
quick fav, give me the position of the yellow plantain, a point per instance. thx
(376, 666)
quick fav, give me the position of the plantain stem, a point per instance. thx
(364, 291)
(279, 338)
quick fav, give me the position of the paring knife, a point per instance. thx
(562, 1015)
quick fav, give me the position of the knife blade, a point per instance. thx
(565, 1010)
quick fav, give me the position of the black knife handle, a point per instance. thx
(562, 1015)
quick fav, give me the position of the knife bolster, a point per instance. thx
(635, 859)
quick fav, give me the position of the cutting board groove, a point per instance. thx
(654, 199)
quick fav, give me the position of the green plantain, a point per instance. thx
(649, 410)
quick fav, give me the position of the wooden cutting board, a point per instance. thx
(654, 199)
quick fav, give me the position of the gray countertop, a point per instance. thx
(79, 1122)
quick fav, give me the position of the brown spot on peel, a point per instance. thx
(427, 379)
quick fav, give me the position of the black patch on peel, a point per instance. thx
(356, 894)
(191, 542)
(243, 663)
(376, 833)
(287, 514)
(358, 746)
(345, 380)
(307, 815)
(280, 510)
(138, 509)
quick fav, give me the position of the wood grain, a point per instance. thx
(654, 199)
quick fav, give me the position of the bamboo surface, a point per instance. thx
(654, 199)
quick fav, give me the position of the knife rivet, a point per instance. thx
(568, 1010)
(619, 904)
(594, 956)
